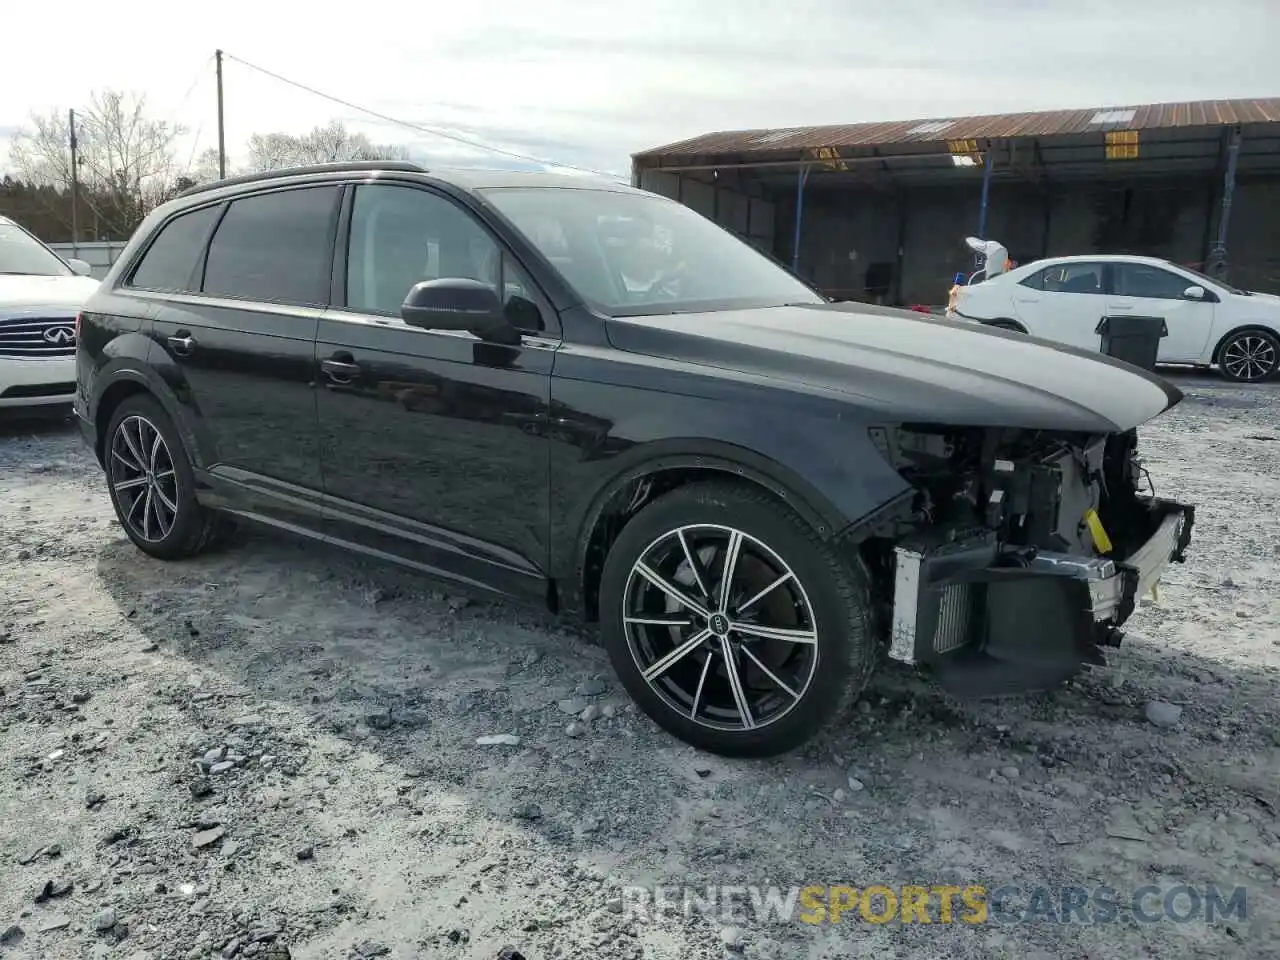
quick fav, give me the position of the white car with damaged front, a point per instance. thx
(40, 295)
(1063, 298)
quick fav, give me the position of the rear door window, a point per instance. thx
(170, 262)
(275, 247)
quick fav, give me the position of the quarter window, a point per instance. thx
(170, 262)
(275, 247)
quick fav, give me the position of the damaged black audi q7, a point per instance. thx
(578, 393)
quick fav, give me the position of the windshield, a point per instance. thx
(636, 254)
(21, 253)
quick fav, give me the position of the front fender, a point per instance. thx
(826, 468)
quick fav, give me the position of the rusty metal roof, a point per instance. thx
(1204, 113)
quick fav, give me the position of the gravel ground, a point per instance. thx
(271, 752)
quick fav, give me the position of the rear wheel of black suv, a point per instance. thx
(151, 484)
(732, 623)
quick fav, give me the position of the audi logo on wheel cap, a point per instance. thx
(60, 336)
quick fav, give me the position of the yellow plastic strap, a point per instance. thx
(1098, 531)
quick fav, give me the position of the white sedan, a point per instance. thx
(1064, 298)
(40, 295)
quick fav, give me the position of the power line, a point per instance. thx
(430, 131)
(200, 74)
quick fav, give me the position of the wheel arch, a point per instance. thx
(639, 484)
(1242, 328)
(125, 381)
(1006, 323)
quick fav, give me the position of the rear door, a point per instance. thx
(1064, 302)
(434, 442)
(1142, 289)
(240, 351)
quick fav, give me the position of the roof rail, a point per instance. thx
(342, 166)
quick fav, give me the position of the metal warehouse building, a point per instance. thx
(879, 211)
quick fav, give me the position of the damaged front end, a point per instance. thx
(1021, 552)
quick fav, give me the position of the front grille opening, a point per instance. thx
(32, 391)
(38, 338)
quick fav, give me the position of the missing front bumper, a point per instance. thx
(1024, 606)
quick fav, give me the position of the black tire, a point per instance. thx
(827, 595)
(192, 528)
(1249, 356)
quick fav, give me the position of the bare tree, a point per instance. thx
(126, 158)
(204, 168)
(331, 142)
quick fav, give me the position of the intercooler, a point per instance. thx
(934, 614)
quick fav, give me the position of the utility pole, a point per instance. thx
(222, 136)
(75, 185)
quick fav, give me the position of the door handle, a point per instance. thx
(339, 370)
(1027, 299)
(182, 343)
(1119, 306)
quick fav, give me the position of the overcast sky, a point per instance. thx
(588, 82)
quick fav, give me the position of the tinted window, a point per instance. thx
(401, 236)
(170, 261)
(519, 300)
(274, 247)
(1068, 278)
(1141, 280)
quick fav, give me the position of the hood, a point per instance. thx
(1255, 299)
(907, 367)
(23, 294)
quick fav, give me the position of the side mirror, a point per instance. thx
(79, 267)
(1195, 292)
(454, 303)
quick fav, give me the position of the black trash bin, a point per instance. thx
(1132, 339)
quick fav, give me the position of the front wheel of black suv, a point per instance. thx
(151, 484)
(731, 623)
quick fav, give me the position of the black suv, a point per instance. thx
(579, 393)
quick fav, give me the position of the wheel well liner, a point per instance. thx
(111, 398)
(1244, 328)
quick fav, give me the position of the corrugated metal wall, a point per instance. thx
(1253, 244)
(847, 235)
(750, 217)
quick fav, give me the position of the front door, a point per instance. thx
(1064, 302)
(433, 442)
(239, 350)
(1145, 290)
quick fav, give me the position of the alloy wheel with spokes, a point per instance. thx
(1250, 356)
(720, 627)
(152, 485)
(143, 479)
(732, 623)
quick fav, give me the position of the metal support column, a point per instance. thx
(979, 260)
(986, 192)
(795, 243)
(1217, 265)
